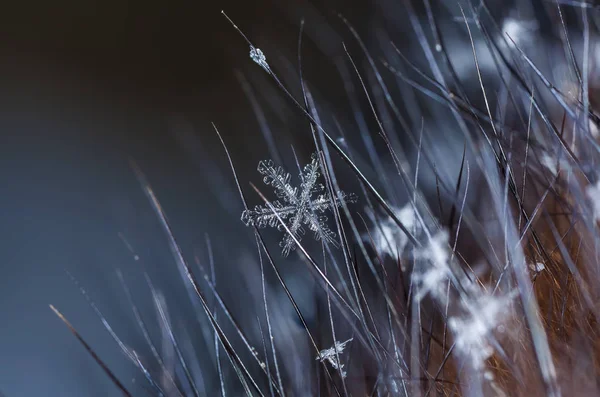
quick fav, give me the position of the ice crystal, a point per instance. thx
(519, 31)
(537, 267)
(259, 57)
(297, 206)
(332, 355)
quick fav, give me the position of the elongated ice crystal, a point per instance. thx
(297, 206)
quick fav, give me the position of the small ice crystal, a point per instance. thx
(436, 257)
(257, 56)
(332, 354)
(537, 267)
(519, 31)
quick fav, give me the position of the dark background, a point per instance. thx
(84, 87)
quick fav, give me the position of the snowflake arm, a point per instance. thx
(279, 179)
(263, 216)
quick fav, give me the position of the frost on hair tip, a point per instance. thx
(255, 53)
(259, 57)
(297, 206)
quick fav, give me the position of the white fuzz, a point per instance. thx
(537, 267)
(593, 193)
(472, 331)
(436, 255)
(388, 238)
(553, 165)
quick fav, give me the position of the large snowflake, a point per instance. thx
(297, 206)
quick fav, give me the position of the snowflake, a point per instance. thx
(297, 207)
(332, 354)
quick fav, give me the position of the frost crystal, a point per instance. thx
(332, 354)
(297, 207)
(257, 56)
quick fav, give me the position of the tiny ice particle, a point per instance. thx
(257, 56)
(332, 354)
